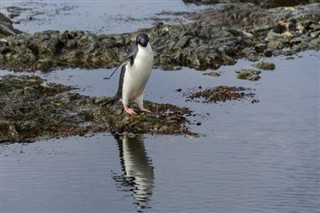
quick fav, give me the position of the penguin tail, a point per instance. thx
(111, 101)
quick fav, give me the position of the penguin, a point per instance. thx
(135, 73)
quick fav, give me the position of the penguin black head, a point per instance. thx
(142, 39)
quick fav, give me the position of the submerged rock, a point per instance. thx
(248, 74)
(32, 108)
(212, 74)
(264, 65)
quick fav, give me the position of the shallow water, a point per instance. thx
(261, 157)
(97, 16)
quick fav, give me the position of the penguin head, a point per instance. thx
(142, 39)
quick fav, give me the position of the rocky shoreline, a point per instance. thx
(218, 36)
(32, 108)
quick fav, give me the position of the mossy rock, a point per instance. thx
(212, 74)
(248, 74)
(33, 108)
(264, 65)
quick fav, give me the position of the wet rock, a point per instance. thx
(296, 40)
(276, 44)
(32, 108)
(218, 94)
(212, 74)
(250, 54)
(183, 42)
(200, 2)
(217, 36)
(264, 65)
(5, 50)
(248, 74)
(315, 34)
(6, 28)
(268, 53)
(315, 43)
(263, 3)
(260, 48)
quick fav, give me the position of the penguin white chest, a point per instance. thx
(137, 75)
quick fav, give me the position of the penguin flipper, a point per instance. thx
(129, 59)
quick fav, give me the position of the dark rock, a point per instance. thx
(260, 48)
(5, 50)
(268, 53)
(296, 40)
(182, 42)
(218, 94)
(263, 3)
(6, 28)
(250, 54)
(279, 28)
(315, 34)
(218, 36)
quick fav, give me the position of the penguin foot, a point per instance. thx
(145, 110)
(130, 111)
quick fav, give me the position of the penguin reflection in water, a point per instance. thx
(135, 72)
(138, 175)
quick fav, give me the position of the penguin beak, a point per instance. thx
(143, 42)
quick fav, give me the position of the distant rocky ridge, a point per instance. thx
(262, 3)
(217, 36)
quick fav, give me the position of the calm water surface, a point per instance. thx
(98, 16)
(261, 157)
